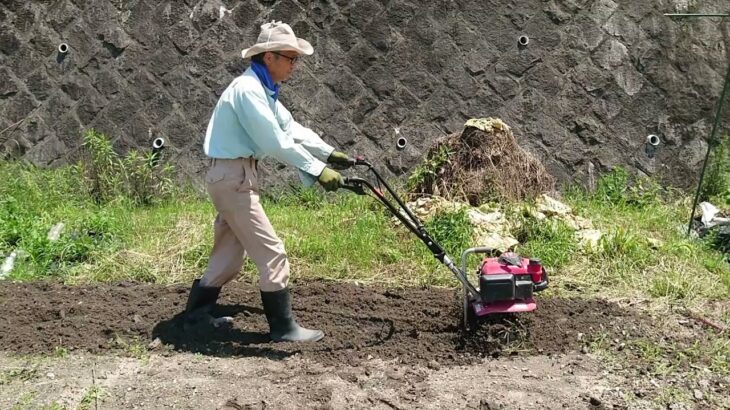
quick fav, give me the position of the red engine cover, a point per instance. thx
(497, 266)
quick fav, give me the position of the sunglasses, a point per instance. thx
(292, 59)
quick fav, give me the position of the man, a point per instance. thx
(248, 124)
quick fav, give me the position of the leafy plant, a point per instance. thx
(427, 171)
(90, 397)
(716, 184)
(84, 234)
(138, 177)
(146, 180)
(613, 186)
(451, 229)
(719, 239)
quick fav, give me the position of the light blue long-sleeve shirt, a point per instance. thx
(248, 122)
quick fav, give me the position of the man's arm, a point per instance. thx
(302, 135)
(262, 126)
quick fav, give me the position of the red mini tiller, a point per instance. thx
(506, 282)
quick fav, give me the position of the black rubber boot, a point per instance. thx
(200, 302)
(283, 326)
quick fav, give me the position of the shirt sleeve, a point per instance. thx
(256, 117)
(302, 135)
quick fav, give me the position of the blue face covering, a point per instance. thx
(263, 74)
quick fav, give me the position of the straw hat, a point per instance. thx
(278, 36)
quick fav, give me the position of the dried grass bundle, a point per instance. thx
(482, 163)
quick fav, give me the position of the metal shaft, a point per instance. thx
(717, 115)
(690, 15)
(710, 143)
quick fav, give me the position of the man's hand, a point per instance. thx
(330, 179)
(340, 160)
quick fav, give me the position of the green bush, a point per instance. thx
(13, 220)
(146, 180)
(138, 177)
(550, 240)
(91, 200)
(616, 188)
(28, 194)
(102, 170)
(85, 231)
(452, 230)
(719, 239)
(426, 172)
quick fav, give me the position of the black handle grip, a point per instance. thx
(354, 184)
(360, 160)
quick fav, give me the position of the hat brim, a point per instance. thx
(302, 47)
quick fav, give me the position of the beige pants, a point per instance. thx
(242, 228)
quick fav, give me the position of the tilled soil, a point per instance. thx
(412, 326)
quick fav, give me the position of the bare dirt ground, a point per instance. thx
(122, 346)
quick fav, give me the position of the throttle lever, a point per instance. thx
(360, 160)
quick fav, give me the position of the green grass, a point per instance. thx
(716, 184)
(18, 374)
(91, 396)
(643, 252)
(550, 240)
(326, 236)
(697, 360)
(24, 401)
(452, 230)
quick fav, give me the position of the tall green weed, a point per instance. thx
(138, 177)
(716, 184)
